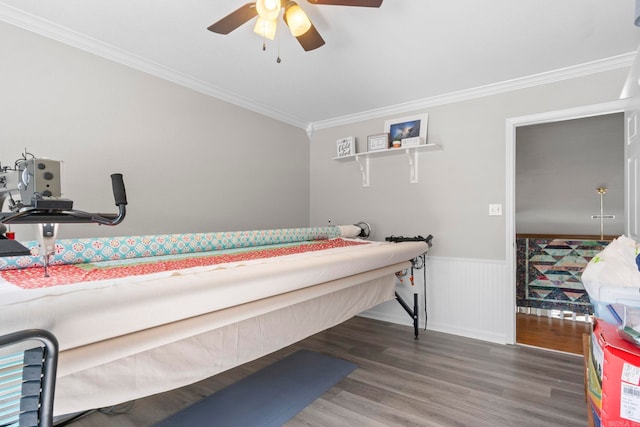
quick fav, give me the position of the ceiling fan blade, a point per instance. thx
(357, 3)
(234, 19)
(311, 39)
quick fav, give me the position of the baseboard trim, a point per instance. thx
(433, 326)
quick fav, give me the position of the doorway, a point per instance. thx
(510, 203)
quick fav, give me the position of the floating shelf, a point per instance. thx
(410, 152)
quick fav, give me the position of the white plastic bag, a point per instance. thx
(614, 266)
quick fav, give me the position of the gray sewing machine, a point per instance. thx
(32, 188)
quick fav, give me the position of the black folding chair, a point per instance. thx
(28, 362)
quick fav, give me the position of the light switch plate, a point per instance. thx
(495, 209)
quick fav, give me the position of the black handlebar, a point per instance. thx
(119, 193)
(45, 216)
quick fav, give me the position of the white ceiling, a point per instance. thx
(373, 59)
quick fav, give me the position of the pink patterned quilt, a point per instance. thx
(33, 278)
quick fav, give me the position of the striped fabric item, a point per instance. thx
(20, 382)
(28, 366)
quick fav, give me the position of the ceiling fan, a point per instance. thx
(294, 17)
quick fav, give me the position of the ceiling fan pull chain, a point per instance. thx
(278, 60)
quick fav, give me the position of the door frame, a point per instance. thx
(512, 124)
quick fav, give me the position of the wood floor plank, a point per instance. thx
(328, 412)
(551, 333)
(378, 411)
(439, 380)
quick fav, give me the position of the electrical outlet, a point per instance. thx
(495, 209)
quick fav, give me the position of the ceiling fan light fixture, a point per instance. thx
(296, 19)
(268, 9)
(266, 29)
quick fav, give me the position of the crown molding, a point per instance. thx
(64, 35)
(581, 70)
(67, 36)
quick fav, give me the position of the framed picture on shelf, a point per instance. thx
(378, 142)
(346, 146)
(407, 127)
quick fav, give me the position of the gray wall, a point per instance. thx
(457, 184)
(190, 162)
(560, 165)
(194, 163)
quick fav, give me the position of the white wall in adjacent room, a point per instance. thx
(560, 166)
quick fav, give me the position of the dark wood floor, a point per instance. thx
(440, 380)
(551, 333)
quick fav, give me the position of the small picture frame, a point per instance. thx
(407, 127)
(378, 142)
(346, 146)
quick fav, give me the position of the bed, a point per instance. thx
(140, 315)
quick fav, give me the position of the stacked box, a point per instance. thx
(613, 377)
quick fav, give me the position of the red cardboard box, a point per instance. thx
(614, 377)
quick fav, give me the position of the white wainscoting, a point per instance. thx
(466, 297)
